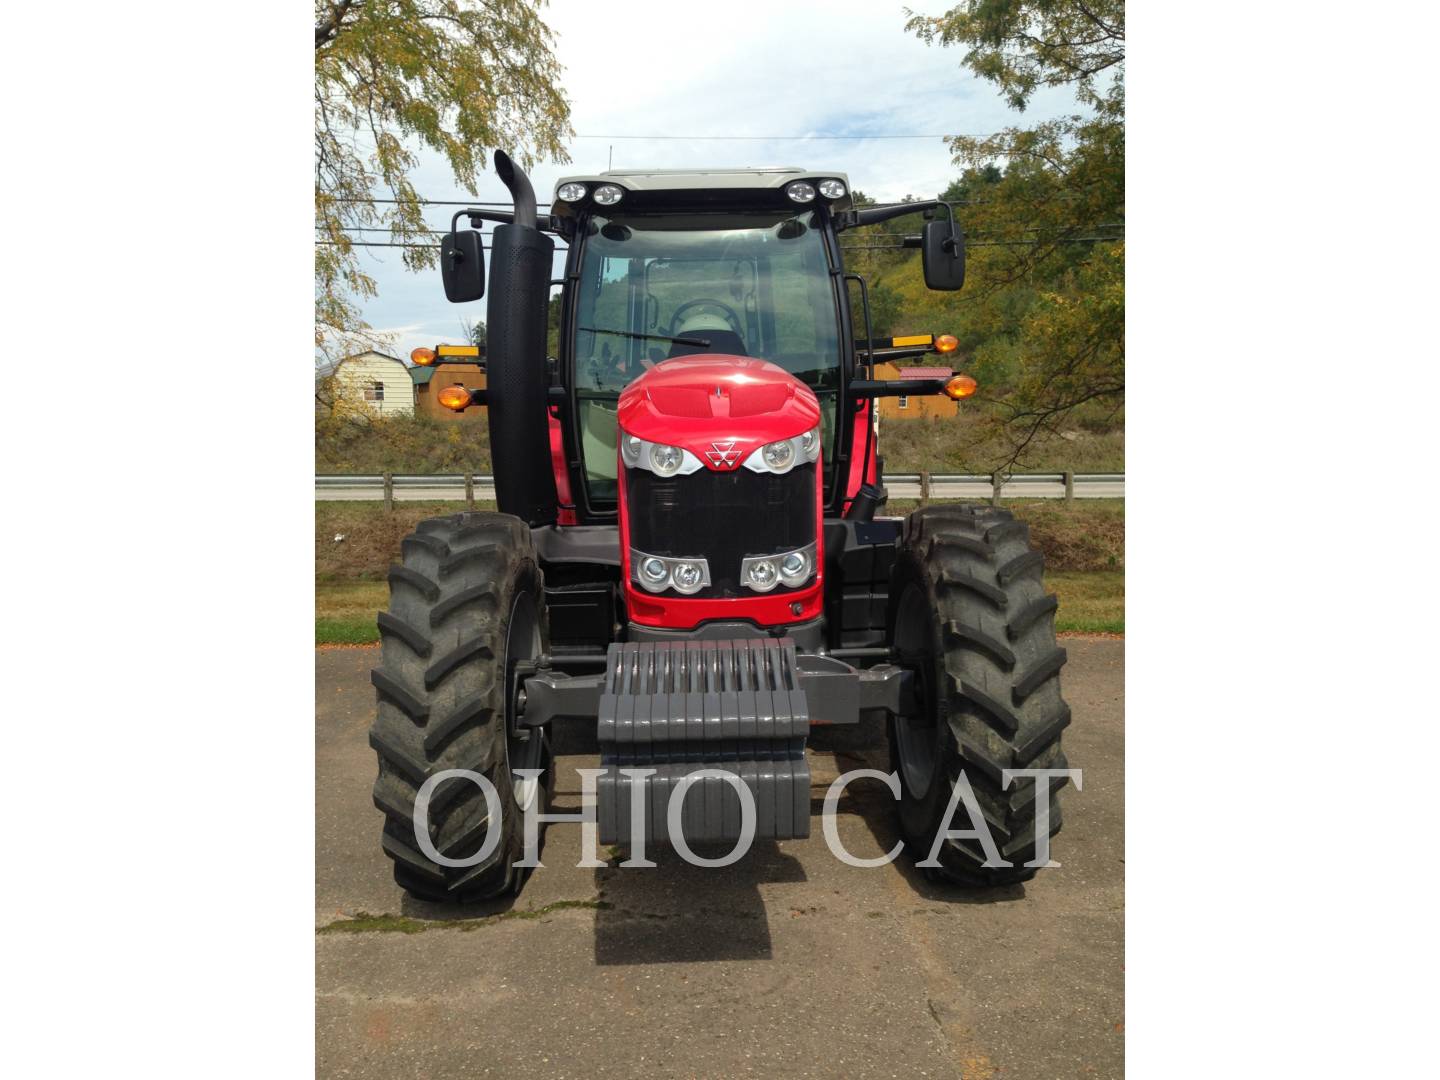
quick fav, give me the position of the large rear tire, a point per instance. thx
(969, 611)
(466, 603)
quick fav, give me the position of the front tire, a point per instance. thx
(467, 603)
(969, 611)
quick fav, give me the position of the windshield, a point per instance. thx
(751, 284)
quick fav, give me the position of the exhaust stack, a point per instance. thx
(520, 267)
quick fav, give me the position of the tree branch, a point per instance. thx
(331, 26)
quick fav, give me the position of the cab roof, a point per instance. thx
(714, 185)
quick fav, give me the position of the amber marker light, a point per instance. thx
(454, 397)
(946, 343)
(960, 386)
(422, 357)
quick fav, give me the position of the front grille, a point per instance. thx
(722, 516)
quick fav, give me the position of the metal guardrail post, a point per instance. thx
(924, 486)
(1069, 487)
(470, 490)
(389, 483)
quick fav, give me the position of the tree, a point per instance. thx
(1043, 306)
(395, 78)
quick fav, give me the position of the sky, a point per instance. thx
(738, 68)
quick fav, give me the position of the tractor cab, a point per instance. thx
(722, 262)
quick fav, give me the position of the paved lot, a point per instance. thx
(789, 962)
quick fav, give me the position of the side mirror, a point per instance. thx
(942, 255)
(462, 265)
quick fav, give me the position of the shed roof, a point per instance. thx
(925, 373)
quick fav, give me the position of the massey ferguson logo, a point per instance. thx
(723, 455)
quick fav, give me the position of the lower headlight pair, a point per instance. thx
(791, 568)
(656, 573)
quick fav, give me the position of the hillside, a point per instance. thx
(963, 445)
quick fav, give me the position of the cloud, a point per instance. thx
(744, 68)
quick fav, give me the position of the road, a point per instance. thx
(789, 962)
(900, 486)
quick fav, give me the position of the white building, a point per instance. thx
(381, 382)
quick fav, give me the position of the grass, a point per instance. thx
(345, 611)
(1084, 546)
(966, 443)
(370, 537)
(1089, 534)
(364, 923)
(402, 444)
(1091, 602)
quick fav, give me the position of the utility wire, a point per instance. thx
(777, 138)
(424, 202)
(867, 236)
(843, 247)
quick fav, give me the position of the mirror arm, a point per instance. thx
(544, 222)
(879, 388)
(874, 215)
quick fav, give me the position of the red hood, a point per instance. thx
(697, 401)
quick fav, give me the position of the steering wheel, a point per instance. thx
(726, 311)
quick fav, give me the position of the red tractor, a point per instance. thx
(688, 555)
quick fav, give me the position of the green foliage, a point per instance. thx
(973, 442)
(1020, 45)
(395, 77)
(367, 443)
(351, 630)
(1041, 318)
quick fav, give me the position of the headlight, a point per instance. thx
(779, 455)
(609, 194)
(784, 454)
(810, 444)
(801, 191)
(655, 573)
(687, 577)
(665, 460)
(762, 573)
(659, 458)
(571, 192)
(795, 568)
(630, 448)
(832, 189)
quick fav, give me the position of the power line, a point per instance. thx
(424, 202)
(393, 244)
(777, 138)
(993, 243)
(866, 236)
(843, 247)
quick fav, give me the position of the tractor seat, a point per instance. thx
(721, 341)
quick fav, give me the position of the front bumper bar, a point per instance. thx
(744, 706)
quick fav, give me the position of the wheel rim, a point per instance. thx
(524, 749)
(916, 737)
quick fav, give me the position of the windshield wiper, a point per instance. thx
(700, 342)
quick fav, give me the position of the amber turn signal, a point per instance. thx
(422, 357)
(946, 343)
(454, 397)
(960, 386)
